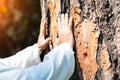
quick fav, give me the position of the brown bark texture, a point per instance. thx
(97, 35)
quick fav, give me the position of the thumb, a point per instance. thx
(57, 41)
(47, 40)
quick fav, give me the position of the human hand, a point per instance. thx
(65, 33)
(42, 42)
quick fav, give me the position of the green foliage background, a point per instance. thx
(19, 25)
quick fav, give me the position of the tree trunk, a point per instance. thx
(97, 35)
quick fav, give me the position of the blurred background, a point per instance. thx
(19, 25)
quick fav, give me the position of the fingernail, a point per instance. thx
(66, 13)
(62, 15)
(70, 19)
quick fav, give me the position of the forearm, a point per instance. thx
(24, 58)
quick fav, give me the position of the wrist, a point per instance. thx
(66, 43)
(38, 49)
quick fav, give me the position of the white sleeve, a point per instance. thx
(58, 64)
(23, 59)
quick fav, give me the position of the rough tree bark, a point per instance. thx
(97, 36)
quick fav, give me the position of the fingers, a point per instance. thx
(66, 19)
(43, 27)
(70, 23)
(62, 21)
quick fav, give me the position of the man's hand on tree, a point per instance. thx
(42, 41)
(65, 33)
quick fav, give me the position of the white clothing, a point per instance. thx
(58, 64)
